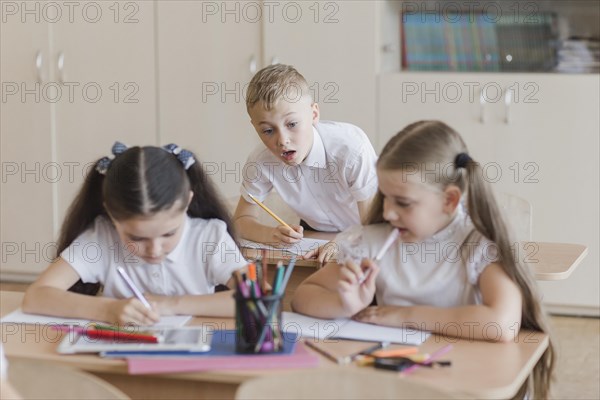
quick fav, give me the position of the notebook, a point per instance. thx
(190, 339)
(320, 329)
(222, 344)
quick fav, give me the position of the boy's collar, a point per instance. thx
(316, 156)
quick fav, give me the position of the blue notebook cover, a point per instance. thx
(222, 344)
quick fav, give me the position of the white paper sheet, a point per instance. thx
(300, 248)
(320, 329)
(19, 317)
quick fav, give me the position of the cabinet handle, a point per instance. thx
(60, 66)
(39, 62)
(482, 103)
(274, 60)
(507, 104)
(253, 65)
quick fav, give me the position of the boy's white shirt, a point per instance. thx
(205, 256)
(323, 190)
(430, 272)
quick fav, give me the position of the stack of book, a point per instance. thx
(579, 55)
(467, 42)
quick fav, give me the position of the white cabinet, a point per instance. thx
(26, 207)
(209, 51)
(332, 43)
(94, 84)
(545, 152)
(110, 64)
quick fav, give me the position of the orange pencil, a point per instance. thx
(271, 213)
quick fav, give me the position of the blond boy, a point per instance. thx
(324, 171)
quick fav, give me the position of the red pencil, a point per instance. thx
(119, 335)
(93, 333)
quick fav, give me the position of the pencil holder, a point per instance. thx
(258, 324)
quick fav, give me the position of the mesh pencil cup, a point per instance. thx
(258, 324)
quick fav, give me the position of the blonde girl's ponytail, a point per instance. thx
(486, 215)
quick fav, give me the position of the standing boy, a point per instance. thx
(324, 171)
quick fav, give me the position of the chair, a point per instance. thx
(518, 214)
(342, 383)
(39, 380)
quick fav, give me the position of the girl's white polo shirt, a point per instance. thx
(204, 257)
(431, 272)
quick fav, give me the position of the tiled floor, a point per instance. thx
(577, 342)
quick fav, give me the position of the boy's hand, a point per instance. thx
(285, 235)
(356, 285)
(324, 253)
(132, 311)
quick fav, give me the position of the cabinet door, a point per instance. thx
(333, 45)
(28, 174)
(207, 54)
(550, 157)
(455, 99)
(104, 62)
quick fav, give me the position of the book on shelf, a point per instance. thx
(467, 42)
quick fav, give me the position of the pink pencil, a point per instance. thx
(434, 356)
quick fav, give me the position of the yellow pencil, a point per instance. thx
(271, 213)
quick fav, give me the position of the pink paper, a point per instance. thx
(301, 358)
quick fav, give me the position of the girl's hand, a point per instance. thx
(285, 235)
(132, 312)
(380, 315)
(356, 285)
(323, 254)
(164, 305)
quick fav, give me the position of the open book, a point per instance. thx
(325, 329)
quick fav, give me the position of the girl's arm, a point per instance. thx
(208, 305)
(497, 319)
(335, 291)
(246, 223)
(49, 295)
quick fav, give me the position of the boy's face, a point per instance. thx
(286, 129)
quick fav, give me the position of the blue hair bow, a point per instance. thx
(103, 163)
(184, 156)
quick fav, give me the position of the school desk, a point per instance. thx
(482, 370)
(549, 261)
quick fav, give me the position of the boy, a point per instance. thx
(324, 171)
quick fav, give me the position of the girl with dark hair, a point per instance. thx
(454, 263)
(153, 212)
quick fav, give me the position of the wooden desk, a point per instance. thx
(549, 261)
(553, 261)
(479, 369)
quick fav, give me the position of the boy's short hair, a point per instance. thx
(275, 82)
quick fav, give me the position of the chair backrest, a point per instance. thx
(340, 383)
(275, 204)
(41, 380)
(518, 214)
